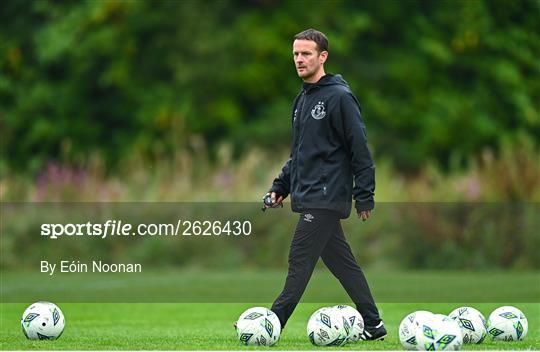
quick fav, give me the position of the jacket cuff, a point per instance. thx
(279, 191)
(366, 205)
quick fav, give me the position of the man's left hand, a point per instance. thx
(364, 214)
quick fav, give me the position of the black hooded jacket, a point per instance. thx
(329, 151)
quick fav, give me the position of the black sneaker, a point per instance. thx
(377, 333)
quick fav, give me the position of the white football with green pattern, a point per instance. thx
(258, 326)
(472, 323)
(328, 327)
(43, 321)
(407, 328)
(507, 323)
(356, 322)
(438, 333)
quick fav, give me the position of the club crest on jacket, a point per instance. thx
(318, 111)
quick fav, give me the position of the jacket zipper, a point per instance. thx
(299, 116)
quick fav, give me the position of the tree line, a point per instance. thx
(437, 80)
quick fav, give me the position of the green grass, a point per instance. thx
(208, 302)
(199, 326)
(211, 286)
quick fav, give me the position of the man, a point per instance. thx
(329, 150)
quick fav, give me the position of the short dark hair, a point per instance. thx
(314, 35)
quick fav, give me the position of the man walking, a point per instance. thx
(329, 152)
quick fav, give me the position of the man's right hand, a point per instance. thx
(364, 214)
(276, 200)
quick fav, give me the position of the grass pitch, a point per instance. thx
(226, 286)
(193, 323)
(205, 326)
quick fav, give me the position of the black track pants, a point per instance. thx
(319, 234)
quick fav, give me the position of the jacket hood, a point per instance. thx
(327, 80)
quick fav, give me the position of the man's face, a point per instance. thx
(308, 61)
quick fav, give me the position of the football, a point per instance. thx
(438, 333)
(328, 327)
(43, 321)
(407, 328)
(507, 323)
(472, 323)
(258, 326)
(356, 322)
